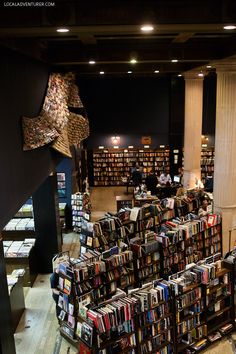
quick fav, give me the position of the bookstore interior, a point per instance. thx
(118, 197)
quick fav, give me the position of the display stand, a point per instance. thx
(28, 263)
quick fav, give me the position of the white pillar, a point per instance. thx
(225, 151)
(192, 128)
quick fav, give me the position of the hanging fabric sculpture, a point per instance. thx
(56, 124)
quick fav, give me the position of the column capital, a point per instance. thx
(226, 66)
(193, 75)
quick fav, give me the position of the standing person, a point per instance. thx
(54, 281)
(165, 178)
(151, 182)
(209, 183)
(136, 177)
(181, 175)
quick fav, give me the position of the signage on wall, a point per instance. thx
(146, 140)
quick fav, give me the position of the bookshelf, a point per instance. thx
(184, 314)
(110, 167)
(81, 210)
(188, 242)
(207, 162)
(147, 260)
(114, 324)
(119, 270)
(230, 260)
(154, 323)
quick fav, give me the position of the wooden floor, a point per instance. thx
(38, 332)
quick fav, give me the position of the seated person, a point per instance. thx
(164, 178)
(203, 209)
(151, 182)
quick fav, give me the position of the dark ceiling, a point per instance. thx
(109, 33)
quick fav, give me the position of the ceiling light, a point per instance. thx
(147, 28)
(92, 62)
(200, 74)
(146, 146)
(102, 73)
(133, 61)
(130, 147)
(179, 75)
(156, 71)
(174, 60)
(115, 140)
(101, 147)
(63, 30)
(129, 72)
(229, 27)
(209, 66)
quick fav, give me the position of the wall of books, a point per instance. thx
(111, 167)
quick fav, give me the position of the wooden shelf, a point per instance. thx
(218, 313)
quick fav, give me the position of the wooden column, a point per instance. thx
(225, 151)
(7, 344)
(192, 128)
(47, 224)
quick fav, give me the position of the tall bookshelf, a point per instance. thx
(110, 167)
(207, 162)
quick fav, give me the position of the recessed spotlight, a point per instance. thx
(174, 60)
(200, 74)
(63, 30)
(102, 73)
(147, 28)
(156, 71)
(229, 27)
(208, 66)
(129, 72)
(133, 61)
(92, 62)
(179, 75)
